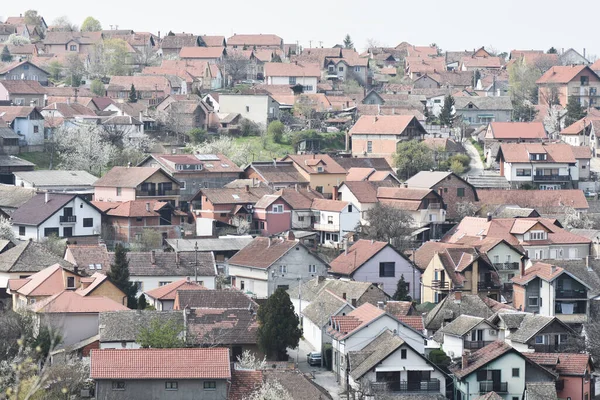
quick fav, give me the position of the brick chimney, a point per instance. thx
(152, 257)
(465, 359)
(335, 193)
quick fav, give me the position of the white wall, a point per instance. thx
(255, 280)
(359, 340)
(300, 80)
(74, 327)
(119, 345)
(25, 127)
(152, 282)
(453, 346)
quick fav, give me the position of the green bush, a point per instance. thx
(275, 130)
(461, 158)
(457, 167)
(197, 135)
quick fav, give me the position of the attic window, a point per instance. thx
(198, 167)
(208, 165)
(319, 169)
(235, 196)
(537, 235)
(225, 165)
(92, 266)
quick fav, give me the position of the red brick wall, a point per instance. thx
(92, 346)
(448, 190)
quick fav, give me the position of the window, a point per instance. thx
(119, 190)
(247, 108)
(163, 283)
(537, 235)
(515, 398)
(523, 172)
(356, 69)
(283, 269)
(88, 222)
(312, 269)
(539, 339)
(292, 80)
(70, 282)
(139, 219)
(585, 80)
(182, 185)
(349, 208)
(369, 146)
(387, 269)
(118, 385)
(515, 372)
(331, 68)
(533, 301)
(307, 88)
(19, 102)
(341, 69)
(36, 129)
(277, 208)
(300, 219)
(50, 231)
(330, 219)
(460, 192)
(319, 189)
(73, 47)
(210, 385)
(403, 354)
(242, 285)
(21, 231)
(171, 385)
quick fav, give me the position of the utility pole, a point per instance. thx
(196, 261)
(320, 43)
(310, 44)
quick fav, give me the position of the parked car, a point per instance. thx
(313, 358)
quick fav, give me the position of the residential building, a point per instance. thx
(379, 164)
(163, 297)
(293, 74)
(258, 108)
(546, 166)
(71, 42)
(171, 45)
(27, 122)
(584, 132)
(552, 291)
(466, 333)
(137, 183)
(9, 140)
(120, 329)
(334, 220)
(530, 333)
(185, 115)
(10, 164)
(195, 171)
(377, 262)
(481, 63)
(223, 248)
(127, 220)
(425, 206)
(24, 71)
(57, 181)
(479, 111)
(559, 83)
(453, 189)
(321, 171)
(363, 194)
(276, 174)
(378, 135)
(267, 264)
(272, 215)
(255, 41)
(209, 54)
(391, 364)
(574, 373)
(348, 68)
(22, 92)
(348, 333)
(541, 238)
(444, 148)
(372, 175)
(511, 132)
(178, 373)
(151, 89)
(62, 215)
(300, 201)
(499, 368)
(545, 202)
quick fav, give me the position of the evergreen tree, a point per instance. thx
(119, 276)
(476, 78)
(142, 303)
(552, 50)
(133, 98)
(276, 58)
(278, 326)
(402, 290)
(348, 43)
(447, 115)
(6, 56)
(574, 111)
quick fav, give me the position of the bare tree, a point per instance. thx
(6, 230)
(387, 224)
(235, 67)
(466, 209)
(64, 24)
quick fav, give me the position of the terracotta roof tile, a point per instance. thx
(519, 152)
(540, 270)
(289, 69)
(414, 321)
(255, 40)
(244, 382)
(482, 357)
(328, 205)
(299, 199)
(189, 363)
(360, 252)
(346, 325)
(169, 291)
(47, 282)
(94, 282)
(563, 363)
(382, 124)
(128, 177)
(72, 302)
(561, 74)
(23, 87)
(278, 172)
(518, 130)
(132, 208)
(310, 162)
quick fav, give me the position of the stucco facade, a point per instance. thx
(187, 389)
(259, 108)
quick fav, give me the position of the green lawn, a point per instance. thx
(41, 159)
(258, 153)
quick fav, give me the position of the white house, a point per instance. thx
(258, 108)
(334, 220)
(27, 122)
(292, 74)
(466, 333)
(267, 264)
(63, 215)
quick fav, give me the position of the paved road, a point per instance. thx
(475, 164)
(322, 377)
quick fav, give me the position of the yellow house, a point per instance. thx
(320, 170)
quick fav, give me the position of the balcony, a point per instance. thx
(434, 206)
(475, 345)
(327, 227)
(549, 348)
(440, 285)
(431, 386)
(552, 178)
(507, 266)
(156, 193)
(68, 219)
(488, 285)
(491, 386)
(571, 294)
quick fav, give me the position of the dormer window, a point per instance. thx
(537, 235)
(179, 167)
(537, 157)
(320, 169)
(198, 167)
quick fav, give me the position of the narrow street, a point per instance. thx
(476, 165)
(321, 376)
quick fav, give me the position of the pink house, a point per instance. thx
(574, 373)
(272, 214)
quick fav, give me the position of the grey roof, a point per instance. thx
(7, 133)
(461, 325)
(166, 264)
(46, 178)
(323, 307)
(448, 309)
(352, 289)
(541, 390)
(124, 326)
(592, 234)
(512, 320)
(15, 196)
(38, 210)
(208, 298)
(427, 179)
(297, 384)
(531, 325)
(378, 163)
(489, 396)
(372, 354)
(488, 103)
(220, 244)
(505, 211)
(12, 161)
(588, 274)
(489, 182)
(29, 256)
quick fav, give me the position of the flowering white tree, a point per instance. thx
(248, 360)
(82, 148)
(6, 230)
(238, 153)
(270, 390)
(17, 40)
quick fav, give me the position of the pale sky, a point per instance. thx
(453, 25)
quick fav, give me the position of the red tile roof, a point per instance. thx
(328, 205)
(47, 282)
(564, 363)
(561, 74)
(243, 383)
(189, 363)
(382, 124)
(555, 152)
(481, 357)
(414, 321)
(540, 270)
(344, 326)
(169, 292)
(310, 162)
(132, 208)
(262, 252)
(23, 87)
(128, 177)
(201, 52)
(72, 302)
(360, 252)
(255, 40)
(288, 69)
(518, 130)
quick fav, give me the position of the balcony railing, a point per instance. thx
(441, 285)
(488, 285)
(406, 386)
(327, 227)
(156, 193)
(490, 386)
(477, 344)
(549, 348)
(68, 219)
(571, 294)
(434, 206)
(553, 178)
(506, 266)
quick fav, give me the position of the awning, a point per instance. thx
(418, 231)
(485, 116)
